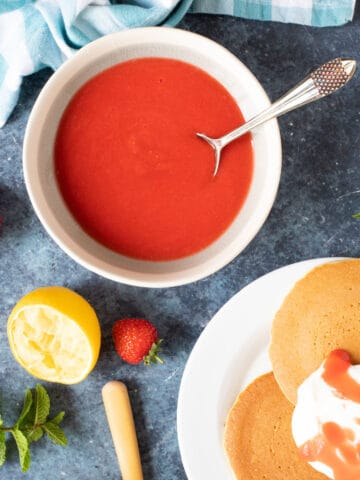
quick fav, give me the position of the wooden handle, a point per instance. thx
(122, 428)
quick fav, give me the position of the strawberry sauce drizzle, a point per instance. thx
(336, 375)
(335, 446)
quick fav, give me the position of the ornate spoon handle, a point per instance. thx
(324, 80)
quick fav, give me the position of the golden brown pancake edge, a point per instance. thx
(258, 439)
(321, 313)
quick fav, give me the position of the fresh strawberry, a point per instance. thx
(136, 339)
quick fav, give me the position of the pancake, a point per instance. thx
(321, 313)
(258, 438)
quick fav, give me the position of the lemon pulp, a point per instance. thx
(55, 335)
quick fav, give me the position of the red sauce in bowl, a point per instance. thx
(131, 169)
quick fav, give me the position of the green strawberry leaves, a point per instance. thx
(153, 355)
(31, 425)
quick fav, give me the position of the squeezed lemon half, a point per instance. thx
(55, 335)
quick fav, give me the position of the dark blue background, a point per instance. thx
(312, 217)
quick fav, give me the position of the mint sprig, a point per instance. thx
(31, 425)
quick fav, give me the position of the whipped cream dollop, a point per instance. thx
(326, 419)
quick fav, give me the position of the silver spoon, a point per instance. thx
(324, 80)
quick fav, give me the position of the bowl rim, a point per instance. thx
(124, 275)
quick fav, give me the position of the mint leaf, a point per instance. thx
(33, 434)
(58, 418)
(42, 405)
(55, 433)
(2, 445)
(23, 447)
(356, 215)
(2, 448)
(28, 400)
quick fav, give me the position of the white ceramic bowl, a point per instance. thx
(39, 166)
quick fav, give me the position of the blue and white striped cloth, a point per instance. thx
(39, 33)
(317, 13)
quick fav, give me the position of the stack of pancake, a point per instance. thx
(320, 314)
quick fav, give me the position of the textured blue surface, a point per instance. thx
(312, 217)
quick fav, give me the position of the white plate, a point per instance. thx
(231, 351)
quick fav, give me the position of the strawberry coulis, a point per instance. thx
(131, 169)
(335, 446)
